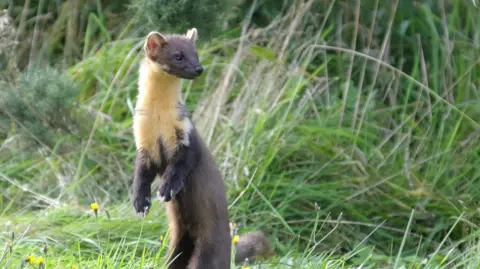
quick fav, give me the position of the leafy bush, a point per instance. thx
(37, 107)
(178, 16)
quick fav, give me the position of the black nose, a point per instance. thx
(199, 69)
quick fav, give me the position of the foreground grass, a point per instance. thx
(351, 143)
(75, 237)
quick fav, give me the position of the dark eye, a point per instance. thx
(178, 57)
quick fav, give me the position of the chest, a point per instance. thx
(156, 114)
(155, 129)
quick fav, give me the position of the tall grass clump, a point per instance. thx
(361, 138)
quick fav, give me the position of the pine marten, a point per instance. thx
(169, 146)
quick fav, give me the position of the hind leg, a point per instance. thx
(209, 256)
(179, 254)
(202, 258)
(181, 243)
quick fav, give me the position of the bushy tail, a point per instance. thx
(251, 246)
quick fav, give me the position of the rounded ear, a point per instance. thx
(154, 40)
(192, 34)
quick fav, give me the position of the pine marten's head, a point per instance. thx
(174, 54)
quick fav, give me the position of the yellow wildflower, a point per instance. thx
(39, 260)
(94, 206)
(235, 239)
(161, 237)
(74, 266)
(245, 267)
(30, 259)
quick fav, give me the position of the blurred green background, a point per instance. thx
(348, 131)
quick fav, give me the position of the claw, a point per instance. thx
(142, 205)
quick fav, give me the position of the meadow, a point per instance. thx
(348, 131)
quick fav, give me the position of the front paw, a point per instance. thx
(169, 189)
(142, 204)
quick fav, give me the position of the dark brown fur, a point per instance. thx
(198, 216)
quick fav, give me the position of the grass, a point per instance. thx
(348, 133)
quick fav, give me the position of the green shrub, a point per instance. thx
(37, 108)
